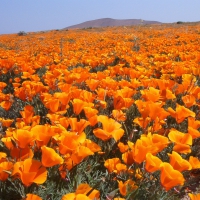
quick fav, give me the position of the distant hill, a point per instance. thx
(111, 22)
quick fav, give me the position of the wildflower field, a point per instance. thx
(101, 113)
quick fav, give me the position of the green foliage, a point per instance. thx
(21, 33)
(179, 22)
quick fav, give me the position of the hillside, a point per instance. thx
(104, 22)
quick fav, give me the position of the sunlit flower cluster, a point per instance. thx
(67, 97)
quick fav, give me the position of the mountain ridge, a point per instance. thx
(104, 22)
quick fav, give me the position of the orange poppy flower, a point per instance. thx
(92, 145)
(30, 171)
(6, 122)
(8, 142)
(64, 121)
(128, 102)
(23, 137)
(142, 122)
(50, 157)
(69, 142)
(20, 123)
(151, 143)
(25, 75)
(21, 93)
(193, 132)
(182, 148)
(85, 189)
(170, 177)
(69, 196)
(126, 187)
(193, 125)
(195, 162)
(63, 97)
(73, 196)
(101, 94)
(114, 165)
(157, 125)
(79, 104)
(189, 100)
(159, 141)
(92, 84)
(126, 92)
(193, 122)
(27, 114)
(80, 153)
(21, 154)
(17, 80)
(152, 163)
(119, 115)
(118, 102)
(135, 83)
(5, 168)
(102, 104)
(78, 126)
(91, 115)
(143, 108)
(156, 111)
(122, 147)
(194, 196)
(67, 165)
(169, 94)
(42, 134)
(181, 140)
(2, 157)
(181, 113)
(75, 93)
(140, 150)
(127, 157)
(178, 163)
(54, 105)
(90, 112)
(63, 170)
(6, 105)
(179, 137)
(151, 94)
(111, 129)
(87, 96)
(32, 197)
(2, 85)
(35, 120)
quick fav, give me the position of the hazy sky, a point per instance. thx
(36, 15)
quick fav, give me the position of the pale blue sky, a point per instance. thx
(36, 15)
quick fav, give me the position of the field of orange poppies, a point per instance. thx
(102, 113)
